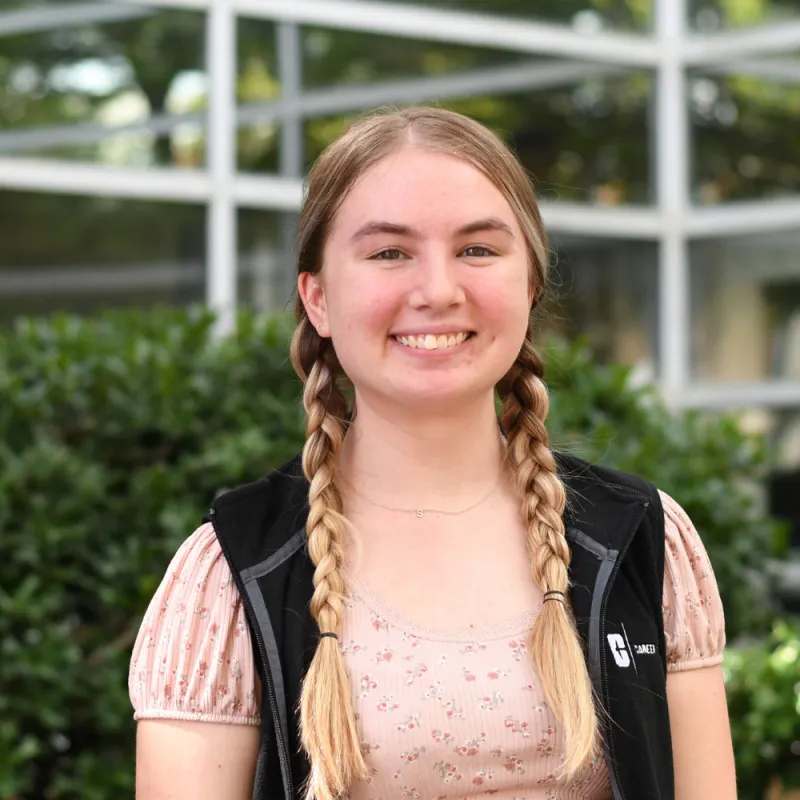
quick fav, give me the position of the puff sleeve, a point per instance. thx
(192, 659)
(694, 622)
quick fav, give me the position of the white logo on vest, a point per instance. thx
(619, 650)
(623, 652)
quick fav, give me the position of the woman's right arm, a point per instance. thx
(178, 760)
(193, 683)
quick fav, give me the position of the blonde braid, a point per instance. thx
(327, 720)
(554, 643)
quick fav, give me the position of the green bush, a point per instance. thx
(763, 689)
(116, 433)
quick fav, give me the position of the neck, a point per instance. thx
(443, 460)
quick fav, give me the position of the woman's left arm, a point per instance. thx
(701, 735)
(694, 627)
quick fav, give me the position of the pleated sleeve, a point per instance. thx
(192, 659)
(694, 622)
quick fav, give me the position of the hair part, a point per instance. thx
(328, 726)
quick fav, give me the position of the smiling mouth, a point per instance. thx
(429, 341)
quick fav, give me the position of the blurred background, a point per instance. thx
(151, 164)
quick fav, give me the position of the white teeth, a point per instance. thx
(431, 342)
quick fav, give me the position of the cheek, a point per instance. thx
(506, 310)
(364, 311)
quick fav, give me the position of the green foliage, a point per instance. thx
(115, 434)
(114, 437)
(763, 688)
(705, 461)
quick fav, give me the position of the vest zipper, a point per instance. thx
(605, 588)
(283, 751)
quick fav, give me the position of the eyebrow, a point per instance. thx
(488, 224)
(479, 226)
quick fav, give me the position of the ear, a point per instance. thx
(312, 295)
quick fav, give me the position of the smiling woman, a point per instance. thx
(448, 257)
(463, 610)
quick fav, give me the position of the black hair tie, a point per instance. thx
(554, 595)
(332, 635)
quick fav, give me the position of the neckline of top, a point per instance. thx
(361, 591)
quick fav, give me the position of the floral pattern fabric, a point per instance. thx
(452, 714)
(192, 659)
(442, 713)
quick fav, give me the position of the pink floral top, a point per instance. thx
(443, 713)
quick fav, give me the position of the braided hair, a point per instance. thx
(329, 731)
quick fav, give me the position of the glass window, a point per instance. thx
(745, 303)
(71, 92)
(83, 254)
(585, 142)
(335, 58)
(258, 88)
(782, 429)
(708, 16)
(745, 139)
(266, 259)
(606, 291)
(590, 16)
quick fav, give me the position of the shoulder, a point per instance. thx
(609, 504)
(255, 520)
(285, 484)
(577, 472)
(192, 658)
(694, 619)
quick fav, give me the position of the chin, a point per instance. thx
(439, 397)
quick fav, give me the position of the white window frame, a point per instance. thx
(670, 50)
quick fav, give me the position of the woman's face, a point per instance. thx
(424, 287)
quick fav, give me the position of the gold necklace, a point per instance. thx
(420, 512)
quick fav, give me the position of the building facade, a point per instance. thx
(153, 151)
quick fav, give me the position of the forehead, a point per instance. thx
(423, 189)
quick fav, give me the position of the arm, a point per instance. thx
(701, 736)
(178, 760)
(694, 626)
(194, 684)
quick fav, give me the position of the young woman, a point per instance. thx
(430, 603)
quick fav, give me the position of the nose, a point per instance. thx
(438, 283)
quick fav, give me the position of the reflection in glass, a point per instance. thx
(257, 84)
(746, 308)
(339, 57)
(133, 73)
(588, 16)
(266, 277)
(82, 254)
(708, 16)
(606, 291)
(585, 143)
(745, 137)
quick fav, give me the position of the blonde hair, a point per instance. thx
(327, 719)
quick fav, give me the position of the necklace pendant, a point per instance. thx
(420, 512)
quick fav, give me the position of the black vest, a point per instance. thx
(615, 528)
